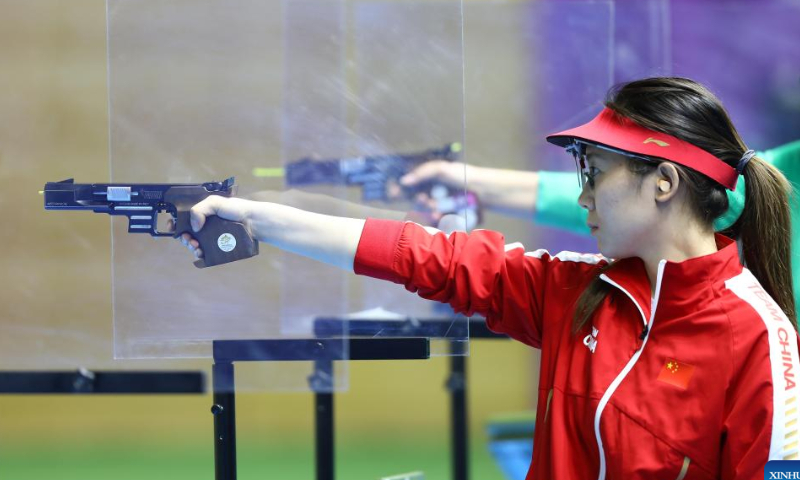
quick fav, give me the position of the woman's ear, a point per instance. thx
(667, 182)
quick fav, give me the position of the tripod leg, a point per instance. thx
(224, 410)
(457, 384)
(323, 403)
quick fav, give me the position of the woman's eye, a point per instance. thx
(589, 173)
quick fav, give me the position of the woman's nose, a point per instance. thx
(586, 198)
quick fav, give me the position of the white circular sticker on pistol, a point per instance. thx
(226, 242)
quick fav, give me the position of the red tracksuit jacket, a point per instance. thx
(697, 382)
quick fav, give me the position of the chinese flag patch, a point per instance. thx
(676, 373)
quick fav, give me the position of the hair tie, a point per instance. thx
(748, 155)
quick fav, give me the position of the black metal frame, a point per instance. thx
(323, 352)
(84, 382)
(456, 382)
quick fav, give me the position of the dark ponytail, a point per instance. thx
(685, 109)
(765, 232)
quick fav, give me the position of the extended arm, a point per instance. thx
(329, 239)
(548, 198)
(510, 192)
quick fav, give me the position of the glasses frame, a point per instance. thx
(578, 150)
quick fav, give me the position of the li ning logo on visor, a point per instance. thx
(660, 143)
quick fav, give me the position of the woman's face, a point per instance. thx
(621, 205)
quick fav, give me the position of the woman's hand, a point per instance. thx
(233, 209)
(509, 192)
(450, 174)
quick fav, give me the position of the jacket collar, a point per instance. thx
(679, 280)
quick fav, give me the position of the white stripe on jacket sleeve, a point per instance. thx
(785, 366)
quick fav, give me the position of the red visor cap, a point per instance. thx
(613, 130)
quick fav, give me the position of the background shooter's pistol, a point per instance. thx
(376, 175)
(372, 172)
(222, 241)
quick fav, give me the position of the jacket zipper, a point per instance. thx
(648, 327)
(547, 411)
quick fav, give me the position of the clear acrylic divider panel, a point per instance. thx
(405, 76)
(261, 90)
(527, 73)
(196, 95)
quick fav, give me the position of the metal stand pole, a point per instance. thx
(322, 384)
(457, 385)
(224, 410)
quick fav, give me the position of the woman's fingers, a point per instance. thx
(192, 245)
(208, 207)
(438, 170)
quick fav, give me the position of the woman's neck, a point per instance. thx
(677, 245)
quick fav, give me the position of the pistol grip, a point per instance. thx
(224, 241)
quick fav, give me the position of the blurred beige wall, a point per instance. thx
(56, 269)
